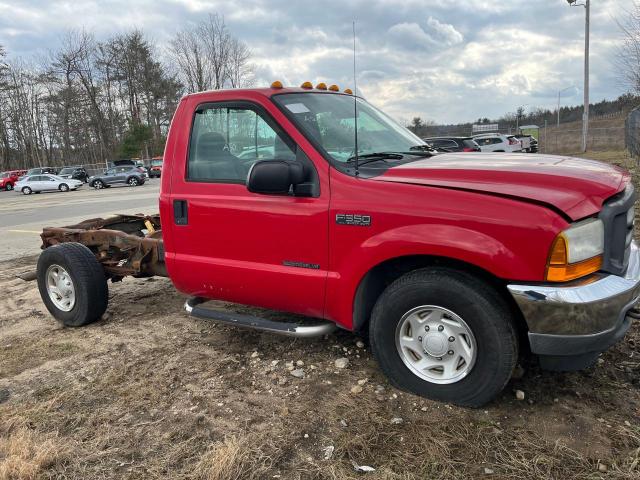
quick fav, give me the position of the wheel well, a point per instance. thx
(381, 276)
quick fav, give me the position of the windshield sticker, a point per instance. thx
(297, 108)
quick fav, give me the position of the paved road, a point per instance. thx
(22, 217)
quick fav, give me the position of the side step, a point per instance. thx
(311, 330)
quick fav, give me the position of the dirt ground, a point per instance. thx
(149, 393)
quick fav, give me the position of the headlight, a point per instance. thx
(576, 252)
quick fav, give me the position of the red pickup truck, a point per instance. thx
(9, 179)
(454, 265)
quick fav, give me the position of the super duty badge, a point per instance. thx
(356, 220)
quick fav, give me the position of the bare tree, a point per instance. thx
(239, 70)
(208, 57)
(628, 58)
(188, 53)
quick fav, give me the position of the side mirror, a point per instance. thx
(274, 177)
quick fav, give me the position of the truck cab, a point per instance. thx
(312, 201)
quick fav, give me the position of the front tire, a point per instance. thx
(72, 284)
(445, 335)
(98, 184)
(26, 191)
(8, 187)
(63, 187)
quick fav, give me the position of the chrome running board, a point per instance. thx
(316, 329)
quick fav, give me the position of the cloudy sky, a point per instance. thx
(445, 60)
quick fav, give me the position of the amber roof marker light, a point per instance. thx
(321, 86)
(276, 84)
(307, 85)
(334, 88)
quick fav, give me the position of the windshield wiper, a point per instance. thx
(375, 156)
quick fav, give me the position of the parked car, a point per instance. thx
(130, 175)
(497, 142)
(155, 167)
(453, 266)
(8, 179)
(131, 163)
(45, 183)
(40, 171)
(528, 142)
(453, 144)
(77, 173)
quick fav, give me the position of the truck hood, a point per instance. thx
(577, 187)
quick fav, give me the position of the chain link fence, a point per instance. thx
(632, 133)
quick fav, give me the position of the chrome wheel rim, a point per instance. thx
(133, 182)
(64, 188)
(97, 185)
(436, 344)
(60, 288)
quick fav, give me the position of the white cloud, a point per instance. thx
(444, 60)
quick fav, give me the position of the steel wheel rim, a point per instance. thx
(60, 288)
(436, 344)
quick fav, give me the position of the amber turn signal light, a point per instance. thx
(558, 268)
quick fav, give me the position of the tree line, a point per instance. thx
(92, 101)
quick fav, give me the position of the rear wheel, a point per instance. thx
(72, 284)
(445, 335)
(63, 187)
(8, 187)
(26, 191)
(133, 182)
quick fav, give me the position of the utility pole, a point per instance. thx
(560, 93)
(585, 118)
(585, 114)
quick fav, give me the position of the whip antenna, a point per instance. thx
(355, 99)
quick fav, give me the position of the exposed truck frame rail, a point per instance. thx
(125, 245)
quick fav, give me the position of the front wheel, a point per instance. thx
(72, 284)
(8, 187)
(98, 184)
(63, 187)
(26, 191)
(445, 335)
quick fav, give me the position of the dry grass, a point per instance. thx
(25, 454)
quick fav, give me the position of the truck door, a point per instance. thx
(235, 245)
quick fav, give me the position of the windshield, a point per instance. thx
(64, 171)
(156, 163)
(329, 119)
(4, 175)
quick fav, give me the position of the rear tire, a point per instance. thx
(83, 280)
(446, 297)
(133, 182)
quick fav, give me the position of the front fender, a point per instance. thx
(511, 253)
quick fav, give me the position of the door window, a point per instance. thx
(226, 141)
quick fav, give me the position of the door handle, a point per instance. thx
(180, 212)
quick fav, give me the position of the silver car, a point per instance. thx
(45, 183)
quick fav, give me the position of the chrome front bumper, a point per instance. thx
(582, 317)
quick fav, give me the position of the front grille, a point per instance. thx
(617, 215)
